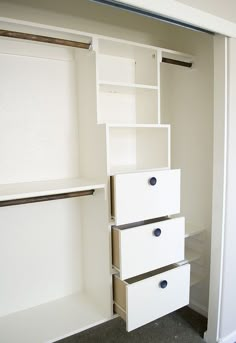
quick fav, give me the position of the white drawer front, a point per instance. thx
(135, 199)
(148, 247)
(146, 301)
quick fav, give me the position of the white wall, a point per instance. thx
(191, 15)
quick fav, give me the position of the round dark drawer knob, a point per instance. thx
(152, 181)
(157, 232)
(163, 284)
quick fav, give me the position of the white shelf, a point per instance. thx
(122, 86)
(51, 321)
(190, 256)
(114, 271)
(195, 279)
(144, 126)
(44, 188)
(192, 230)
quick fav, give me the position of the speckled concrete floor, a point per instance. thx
(182, 326)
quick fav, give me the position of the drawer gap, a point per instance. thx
(141, 223)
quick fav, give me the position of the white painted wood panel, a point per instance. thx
(137, 147)
(52, 321)
(40, 253)
(96, 252)
(38, 112)
(143, 300)
(116, 69)
(141, 251)
(130, 104)
(124, 62)
(135, 199)
(146, 301)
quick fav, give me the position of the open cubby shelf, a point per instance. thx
(127, 104)
(137, 147)
(120, 62)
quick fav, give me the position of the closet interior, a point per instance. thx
(86, 138)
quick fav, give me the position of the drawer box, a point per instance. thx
(146, 195)
(138, 250)
(145, 298)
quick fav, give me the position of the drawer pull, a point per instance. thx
(152, 181)
(157, 232)
(163, 284)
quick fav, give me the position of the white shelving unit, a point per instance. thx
(55, 280)
(55, 256)
(128, 92)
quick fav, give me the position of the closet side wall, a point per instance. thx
(187, 104)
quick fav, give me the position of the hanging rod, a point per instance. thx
(177, 62)
(46, 198)
(44, 39)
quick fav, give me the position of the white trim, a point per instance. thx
(231, 338)
(226, 133)
(186, 14)
(219, 178)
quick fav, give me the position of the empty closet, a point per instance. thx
(106, 172)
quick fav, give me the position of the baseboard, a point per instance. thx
(199, 308)
(228, 339)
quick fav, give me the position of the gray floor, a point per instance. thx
(182, 326)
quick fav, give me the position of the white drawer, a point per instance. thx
(135, 199)
(138, 250)
(141, 300)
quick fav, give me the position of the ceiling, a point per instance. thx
(221, 8)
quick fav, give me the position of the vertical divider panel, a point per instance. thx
(92, 137)
(96, 252)
(93, 164)
(159, 56)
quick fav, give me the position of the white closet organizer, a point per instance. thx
(69, 116)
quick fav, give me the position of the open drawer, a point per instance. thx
(145, 195)
(143, 248)
(147, 297)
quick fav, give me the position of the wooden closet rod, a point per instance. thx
(46, 198)
(44, 39)
(177, 62)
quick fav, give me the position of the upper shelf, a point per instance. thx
(28, 190)
(121, 86)
(192, 230)
(139, 68)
